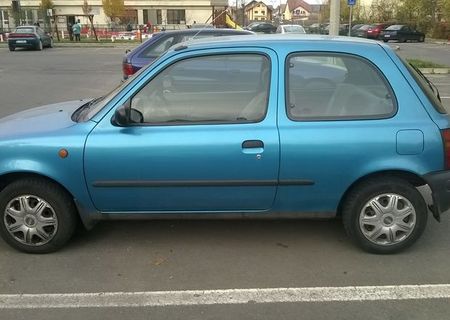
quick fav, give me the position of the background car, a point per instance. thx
(374, 30)
(290, 28)
(29, 37)
(401, 33)
(361, 32)
(261, 27)
(151, 49)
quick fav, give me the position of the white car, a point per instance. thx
(290, 28)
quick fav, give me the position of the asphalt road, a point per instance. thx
(149, 256)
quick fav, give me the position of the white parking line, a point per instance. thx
(227, 296)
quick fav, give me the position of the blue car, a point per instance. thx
(151, 49)
(29, 37)
(251, 126)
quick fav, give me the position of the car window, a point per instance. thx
(159, 47)
(212, 89)
(24, 30)
(334, 87)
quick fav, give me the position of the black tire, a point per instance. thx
(384, 40)
(421, 39)
(358, 199)
(63, 210)
(11, 48)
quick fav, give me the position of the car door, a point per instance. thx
(206, 140)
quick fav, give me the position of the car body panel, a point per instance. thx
(401, 33)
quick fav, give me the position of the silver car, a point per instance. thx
(290, 28)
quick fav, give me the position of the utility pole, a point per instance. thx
(335, 10)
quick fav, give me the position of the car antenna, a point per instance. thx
(206, 23)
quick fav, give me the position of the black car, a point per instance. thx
(361, 32)
(401, 33)
(29, 37)
(151, 49)
(261, 27)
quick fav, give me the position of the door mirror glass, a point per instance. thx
(122, 116)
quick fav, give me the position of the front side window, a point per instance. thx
(207, 89)
(336, 87)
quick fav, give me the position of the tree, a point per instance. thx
(46, 5)
(87, 10)
(383, 10)
(113, 8)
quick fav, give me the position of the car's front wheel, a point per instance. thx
(37, 216)
(384, 215)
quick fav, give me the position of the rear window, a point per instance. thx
(426, 86)
(24, 30)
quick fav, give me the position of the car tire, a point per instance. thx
(402, 40)
(384, 40)
(384, 215)
(421, 39)
(11, 48)
(40, 46)
(36, 216)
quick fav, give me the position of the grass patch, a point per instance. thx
(425, 64)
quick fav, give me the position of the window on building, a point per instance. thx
(158, 16)
(256, 12)
(176, 16)
(145, 18)
(333, 87)
(263, 12)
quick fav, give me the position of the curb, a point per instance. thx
(435, 70)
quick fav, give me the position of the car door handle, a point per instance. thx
(252, 144)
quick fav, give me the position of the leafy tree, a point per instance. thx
(383, 10)
(113, 8)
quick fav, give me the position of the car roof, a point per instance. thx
(269, 41)
(200, 30)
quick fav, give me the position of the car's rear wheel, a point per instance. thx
(421, 39)
(11, 48)
(37, 216)
(384, 215)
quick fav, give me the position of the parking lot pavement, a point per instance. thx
(175, 256)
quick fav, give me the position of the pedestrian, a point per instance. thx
(76, 29)
(149, 26)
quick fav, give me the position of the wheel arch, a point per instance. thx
(413, 178)
(10, 177)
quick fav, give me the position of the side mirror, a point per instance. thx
(122, 115)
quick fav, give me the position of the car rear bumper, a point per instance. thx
(23, 43)
(439, 183)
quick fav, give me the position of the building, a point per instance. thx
(169, 13)
(258, 11)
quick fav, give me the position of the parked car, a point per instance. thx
(261, 27)
(401, 33)
(316, 28)
(29, 37)
(290, 28)
(374, 30)
(155, 46)
(361, 32)
(354, 28)
(231, 128)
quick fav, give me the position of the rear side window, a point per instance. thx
(156, 49)
(427, 87)
(336, 87)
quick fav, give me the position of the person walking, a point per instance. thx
(76, 29)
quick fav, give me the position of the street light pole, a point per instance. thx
(334, 17)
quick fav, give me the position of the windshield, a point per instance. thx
(24, 30)
(294, 29)
(394, 27)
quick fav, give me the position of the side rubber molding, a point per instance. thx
(439, 183)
